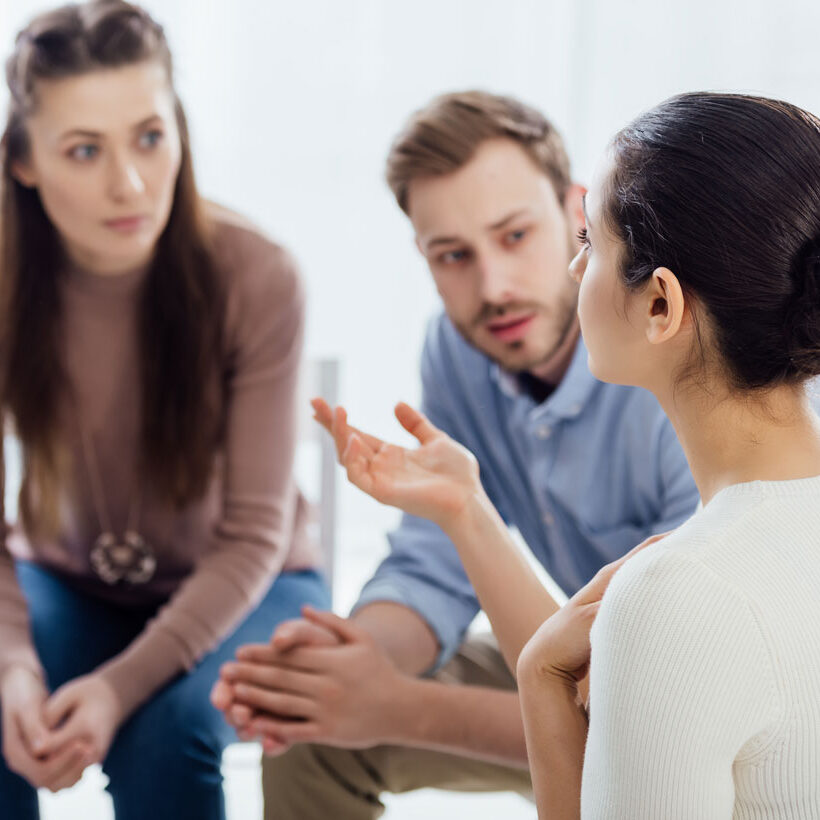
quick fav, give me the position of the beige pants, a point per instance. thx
(326, 783)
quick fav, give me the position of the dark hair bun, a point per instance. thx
(802, 321)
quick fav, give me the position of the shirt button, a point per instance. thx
(543, 432)
(548, 519)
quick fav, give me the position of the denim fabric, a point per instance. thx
(164, 763)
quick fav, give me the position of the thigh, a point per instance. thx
(175, 740)
(73, 632)
(180, 716)
(323, 781)
(478, 662)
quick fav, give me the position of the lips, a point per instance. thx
(511, 330)
(126, 224)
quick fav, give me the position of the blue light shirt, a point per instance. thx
(585, 476)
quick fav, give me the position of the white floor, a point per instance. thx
(87, 801)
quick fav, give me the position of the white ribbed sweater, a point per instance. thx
(705, 675)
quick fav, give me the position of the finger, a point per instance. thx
(302, 632)
(276, 703)
(357, 460)
(416, 423)
(344, 628)
(273, 677)
(258, 653)
(57, 764)
(221, 695)
(322, 412)
(288, 731)
(58, 707)
(72, 768)
(33, 731)
(343, 433)
(240, 715)
(341, 430)
(272, 747)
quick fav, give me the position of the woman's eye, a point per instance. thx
(516, 236)
(583, 238)
(453, 257)
(85, 152)
(150, 138)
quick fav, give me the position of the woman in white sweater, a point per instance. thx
(700, 281)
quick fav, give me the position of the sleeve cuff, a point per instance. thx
(446, 615)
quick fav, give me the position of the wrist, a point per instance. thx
(475, 515)
(19, 671)
(402, 714)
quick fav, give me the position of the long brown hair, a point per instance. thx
(181, 306)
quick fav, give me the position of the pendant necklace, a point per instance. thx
(128, 558)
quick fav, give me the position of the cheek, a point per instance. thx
(457, 291)
(70, 198)
(164, 169)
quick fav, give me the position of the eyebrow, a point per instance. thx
(448, 240)
(84, 132)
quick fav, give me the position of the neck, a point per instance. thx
(553, 369)
(99, 266)
(731, 438)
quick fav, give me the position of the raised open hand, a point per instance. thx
(434, 481)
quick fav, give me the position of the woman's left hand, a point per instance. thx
(560, 650)
(85, 708)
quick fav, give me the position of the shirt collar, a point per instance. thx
(571, 395)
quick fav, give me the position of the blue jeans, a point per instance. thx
(164, 762)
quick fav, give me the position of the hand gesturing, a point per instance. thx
(434, 481)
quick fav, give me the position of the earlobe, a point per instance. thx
(24, 174)
(666, 306)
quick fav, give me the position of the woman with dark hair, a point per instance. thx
(149, 353)
(700, 281)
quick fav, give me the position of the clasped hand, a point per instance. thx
(50, 740)
(321, 679)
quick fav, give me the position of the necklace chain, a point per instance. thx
(128, 558)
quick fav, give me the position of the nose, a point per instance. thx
(125, 180)
(497, 279)
(578, 265)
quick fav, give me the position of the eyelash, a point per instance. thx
(583, 237)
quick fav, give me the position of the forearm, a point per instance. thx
(555, 725)
(402, 634)
(510, 593)
(471, 721)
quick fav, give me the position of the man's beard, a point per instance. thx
(563, 324)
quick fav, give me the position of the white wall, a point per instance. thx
(293, 106)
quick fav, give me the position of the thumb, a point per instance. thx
(342, 627)
(59, 706)
(416, 423)
(302, 633)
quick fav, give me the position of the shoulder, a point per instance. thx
(253, 266)
(673, 594)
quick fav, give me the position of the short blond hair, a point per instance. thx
(445, 134)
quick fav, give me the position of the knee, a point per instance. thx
(175, 732)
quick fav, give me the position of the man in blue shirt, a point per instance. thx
(584, 470)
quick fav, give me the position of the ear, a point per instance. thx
(665, 306)
(574, 206)
(24, 173)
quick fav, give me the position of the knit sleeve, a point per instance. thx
(253, 534)
(681, 682)
(16, 647)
